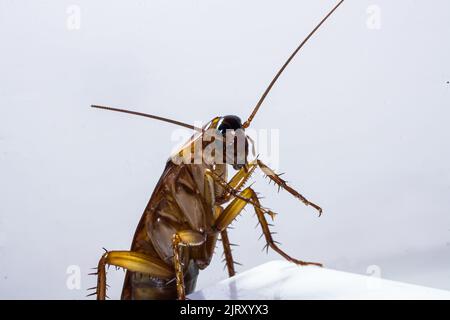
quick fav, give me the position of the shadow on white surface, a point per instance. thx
(277, 280)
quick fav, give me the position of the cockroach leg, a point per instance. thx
(227, 252)
(186, 238)
(233, 210)
(268, 236)
(236, 183)
(181, 291)
(132, 261)
(283, 185)
(233, 193)
(236, 207)
(242, 176)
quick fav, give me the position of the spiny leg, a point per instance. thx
(248, 196)
(235, 208)
(181, 239)
(227, 252)
(269, 240)
(242, 176)
(232, 187)
(283, 184)
(132, 261)
(244, 195)
(236, 183)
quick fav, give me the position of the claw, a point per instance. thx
(303, 263)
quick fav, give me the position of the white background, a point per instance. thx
(363, 117)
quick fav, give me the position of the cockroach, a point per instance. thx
(192, 204)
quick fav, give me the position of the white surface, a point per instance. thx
(363, 117)
(283, 280)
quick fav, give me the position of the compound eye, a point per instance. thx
(229, 123)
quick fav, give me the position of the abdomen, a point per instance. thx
(175, 205)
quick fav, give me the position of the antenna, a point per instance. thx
(261, 100)
(150, 116)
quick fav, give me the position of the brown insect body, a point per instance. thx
(177, 204)
(194, 202)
